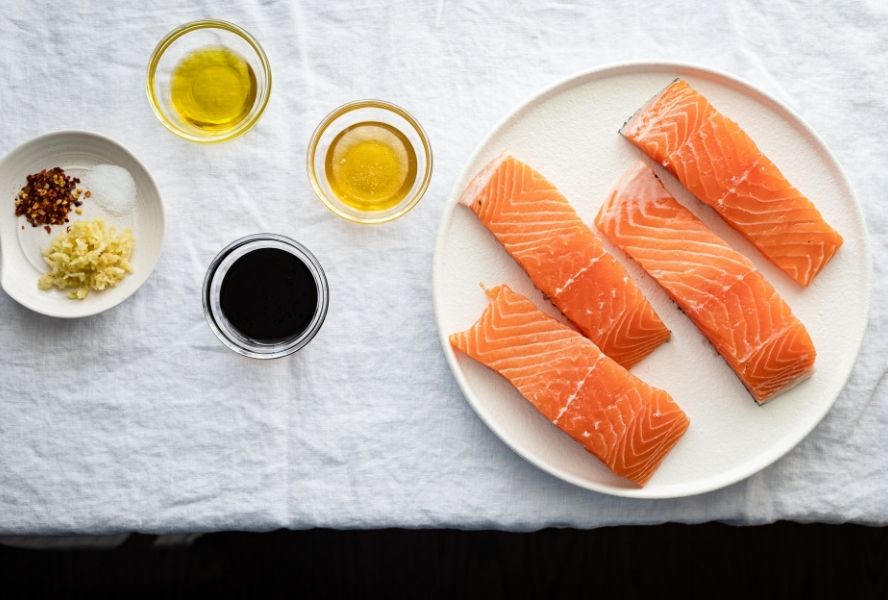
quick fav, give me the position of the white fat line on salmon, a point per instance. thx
(752, 272)
(690, 136)
(799, 379)
(629, 183)
(684, 261)
(497, 333)
(576, 392)
(663, 268)
(576, 275)
(541, 360)
(735, 181)
(562, 225)
(641, 133)
(764, 343)
(558, 210)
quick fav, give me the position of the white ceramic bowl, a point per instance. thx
(21, 245)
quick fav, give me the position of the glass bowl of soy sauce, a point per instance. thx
(265, 296)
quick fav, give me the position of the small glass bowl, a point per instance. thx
(181, 42)
(361, 111)
(212, 287)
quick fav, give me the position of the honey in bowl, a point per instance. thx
(371, 166)
(213, 89)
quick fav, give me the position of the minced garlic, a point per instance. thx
(91, 256)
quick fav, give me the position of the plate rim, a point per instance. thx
(710, 484)
(94, 310)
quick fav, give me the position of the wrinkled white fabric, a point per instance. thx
(139, 419)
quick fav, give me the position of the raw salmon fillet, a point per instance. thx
(627, 424)
(717, 287)
(720, 164)
(565, 259)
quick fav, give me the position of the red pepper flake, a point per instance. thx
(47, 198)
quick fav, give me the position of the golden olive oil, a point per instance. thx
(213, 89)
(371, 166)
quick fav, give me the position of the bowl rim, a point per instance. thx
(183, 30)
(368, 217)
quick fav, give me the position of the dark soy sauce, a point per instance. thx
(269, 295)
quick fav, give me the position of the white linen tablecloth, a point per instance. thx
(139, 419)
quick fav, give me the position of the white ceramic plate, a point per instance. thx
(569, 133)
(21, 262)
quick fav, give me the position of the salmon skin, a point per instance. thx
(628, 424)
(720, 164)
(565, 259)
(720, 290)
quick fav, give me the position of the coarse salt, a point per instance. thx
(112, 188)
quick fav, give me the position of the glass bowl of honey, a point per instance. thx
(369, 161)
(208, 81)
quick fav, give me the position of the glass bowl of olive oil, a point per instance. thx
(369, 161)
(208, 81)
